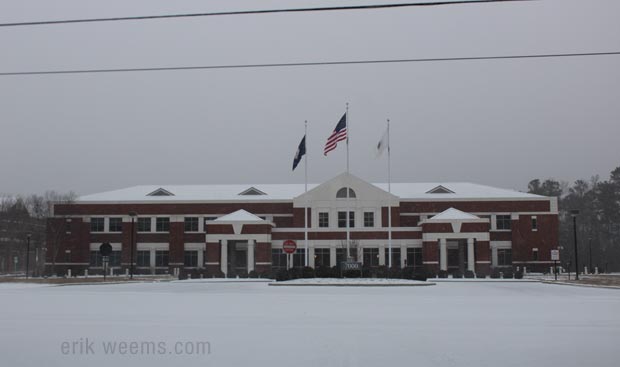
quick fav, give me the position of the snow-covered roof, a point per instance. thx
(453, 214)
(239, 216)
(287, 192)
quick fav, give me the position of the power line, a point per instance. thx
(306, 64)
(264, 11)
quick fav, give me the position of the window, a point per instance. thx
(160, 192)
(535, 254)
(371, 256)
(97, 225)
(68, 226)
(369, 219)
(278, 258)
(191, 258)
(191, 224)
(95, 258)
(395, 256)
(414, 257)
(68, 256)
(503, 222)
(341, 254)
(143, 259)
(114, 259)
(299, 258)
(161, 258)
(534, 224)
(162, 224)
(116, 224)
(342, 219)
(321, 257)
(323, 220)
(210, 218)
(504, 257)
(342, 193)
(144, 224)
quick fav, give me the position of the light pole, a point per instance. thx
(574, 213)
(27, 253)
(590, 249)
(133, 216)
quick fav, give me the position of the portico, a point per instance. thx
(460, 237)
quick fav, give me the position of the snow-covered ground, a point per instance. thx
(351, 282)
(252, 323)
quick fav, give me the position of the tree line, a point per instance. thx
(598, 221)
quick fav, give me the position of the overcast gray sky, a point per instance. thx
(500, 123)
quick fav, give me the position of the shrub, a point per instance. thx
(482, 274)
(366, 272)
(469, 274)
(323, 272)
(295, 273)
(408, 273)
(307, 272)
(442, 274)
(495, 274)
(457, 274)
(282, 275)
(395, 273)
(519, 275)
(253, 274)
(381, 272)
(508, 274)
(420, 274)
(183, 274)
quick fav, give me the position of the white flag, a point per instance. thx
(382, 144)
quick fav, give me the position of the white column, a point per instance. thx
(311, 256)
(443, 254)
(403, 255)
(152, 260)
(382, 255)
(251, 244)
(470, 254)
(332, 256)
(494, 256)
(360, 255)
(201, 260)
(224, 257)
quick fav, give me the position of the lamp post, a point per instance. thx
(590, 268)
(574, 213)
(133, 216)
(27, 253)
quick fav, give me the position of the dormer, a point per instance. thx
(160, 192)
(440, 190)
(252, 191)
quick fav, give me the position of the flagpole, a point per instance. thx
(306, 192)
(390, 199)
(348, 182)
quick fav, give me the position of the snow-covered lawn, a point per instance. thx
(352, 282)
(252, 323)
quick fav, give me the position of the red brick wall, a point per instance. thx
(475, 206)
(524, 239)
(172, 208)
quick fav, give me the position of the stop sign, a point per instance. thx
(289, 246)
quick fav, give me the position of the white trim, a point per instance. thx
(116, 246)
(432, 237)
(343, 230)
(239, 237)
(148, 246)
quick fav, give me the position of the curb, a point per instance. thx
(348, 285)
(581, 285)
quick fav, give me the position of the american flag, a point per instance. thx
(339, 134)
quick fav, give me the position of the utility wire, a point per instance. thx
(305, 64)
(264, 11)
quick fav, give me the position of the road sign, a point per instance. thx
(105, 249)
(555, 255)
(289, 246)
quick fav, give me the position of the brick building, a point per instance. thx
(235, 229)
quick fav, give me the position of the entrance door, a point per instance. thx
(238, 257)
(457, 256)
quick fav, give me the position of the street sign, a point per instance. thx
(289, 246)
(555, 255)
(105, 249)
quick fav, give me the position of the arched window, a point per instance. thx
(342, 193)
